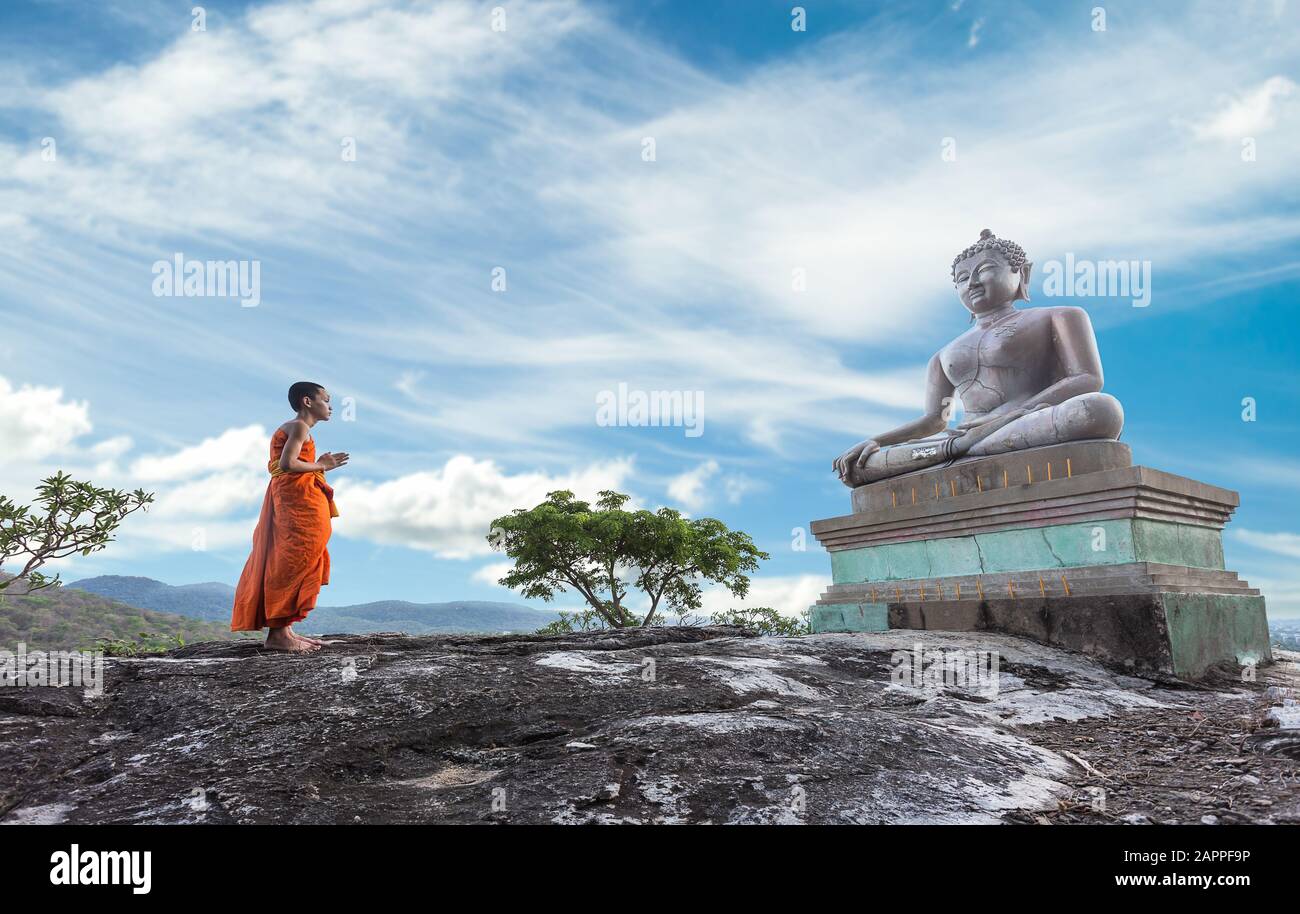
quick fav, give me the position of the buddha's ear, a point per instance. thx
(1022, 294)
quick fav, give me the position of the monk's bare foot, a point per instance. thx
(278, 639)
(307, 638)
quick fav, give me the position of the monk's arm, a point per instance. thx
(1076, 349)
(289, 461)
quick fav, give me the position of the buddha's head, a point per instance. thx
(991, 274)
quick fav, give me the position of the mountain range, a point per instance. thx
(211, 602)
(63, 618)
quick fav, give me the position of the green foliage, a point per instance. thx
(68, 517)
(603, 552)
(586, 620)
(765, 621)
(143, 643)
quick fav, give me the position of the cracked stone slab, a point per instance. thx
(728, 728)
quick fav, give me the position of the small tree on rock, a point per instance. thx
(603, 552)
(68, 517)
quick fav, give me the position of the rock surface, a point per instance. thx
(666, 725)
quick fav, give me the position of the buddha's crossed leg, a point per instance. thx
(1090, 415)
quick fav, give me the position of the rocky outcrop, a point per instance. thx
(672, 724)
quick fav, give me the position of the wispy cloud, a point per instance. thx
(790, 595)
(785, 249)
(1253, 112)
(688, 489)
(1287, 544)
(448, 511)
(231, 138)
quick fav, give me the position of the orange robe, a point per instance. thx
(289, 563)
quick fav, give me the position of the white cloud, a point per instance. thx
(112, 447)
(1249, 114)
(249, 446)
(238, 128)
(1287, 544)
(146, 534)
(490, 574)
(448, 511)
(408, 382)
(196, 489)
(695, 488)
(733, 201)
(212, 495)
(789, 595)
(1274, 578)
(736, 487)
(37, 422)
(688, 489)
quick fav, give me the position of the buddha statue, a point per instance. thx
(1026, 377)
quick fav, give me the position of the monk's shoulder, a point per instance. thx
(294, 425)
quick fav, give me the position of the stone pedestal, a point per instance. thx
(1069, 544)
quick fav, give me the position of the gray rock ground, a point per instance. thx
(667, 725)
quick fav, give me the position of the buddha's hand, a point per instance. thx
(332, 461)
(855, 457)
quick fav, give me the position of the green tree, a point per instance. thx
(602, 553)
(67, 517)
(765, 620)
(583, 620)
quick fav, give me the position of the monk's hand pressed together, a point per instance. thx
(329, 461)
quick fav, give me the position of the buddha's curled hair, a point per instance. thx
(1013, 252)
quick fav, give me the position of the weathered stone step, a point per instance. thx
(1160, 568)
(1027, 593)
(1098, 580)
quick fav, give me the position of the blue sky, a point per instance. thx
(864, 152)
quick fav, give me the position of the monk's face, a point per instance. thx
(986, 282)
(319, 406)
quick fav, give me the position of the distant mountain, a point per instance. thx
(426, 618)
(1285, 633)
(61, 618)
(212, 602)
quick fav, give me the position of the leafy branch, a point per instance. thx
(67, 517)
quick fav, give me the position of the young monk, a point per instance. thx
(289, 562)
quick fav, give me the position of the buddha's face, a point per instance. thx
(986, 282)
